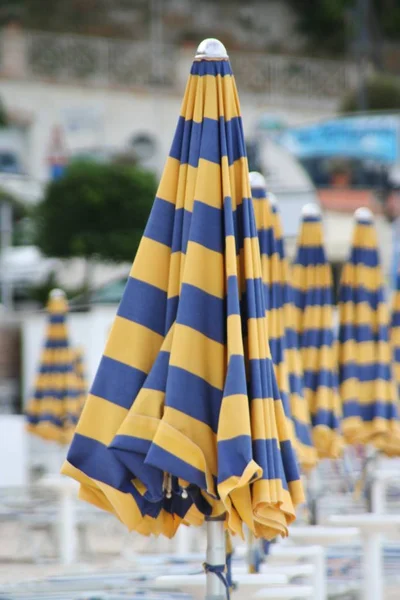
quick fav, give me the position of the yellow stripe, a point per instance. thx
(311, 234)
(51, 406)
(234, 335)
(199, 355)
(100, 419)
(323, 357)
(303, 278)
(370, 278)
(312, 317)
(367, 392)
(364, 236)
(158, 274)
(126, 342)
(210, 96)
(206, 270)
(365, 352)
(234, 418)
(363, 314)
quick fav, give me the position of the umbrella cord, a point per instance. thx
(219, 571)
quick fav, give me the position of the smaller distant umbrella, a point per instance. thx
(54, 409)
(274, 279)
(313, 309)
(298, 404)
(367, 385)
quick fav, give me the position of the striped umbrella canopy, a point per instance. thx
(275, 282)
(395, 331)
(55, 406)
(314, 322)
(366, 381)
(184, 418)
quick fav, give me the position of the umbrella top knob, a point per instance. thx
(57, 293)
(211, 48)
(363, 214)
(311, 210)
(257, 180)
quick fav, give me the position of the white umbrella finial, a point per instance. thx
(272, 199)
(57, 293)
(363, 214)
(257, 180)
(211, 48)
(311, 210)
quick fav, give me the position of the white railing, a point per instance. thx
(122, 63)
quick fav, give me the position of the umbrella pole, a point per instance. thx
(216, 587)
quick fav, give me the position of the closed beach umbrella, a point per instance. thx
(275, 283)
(314, 322)
(395, 331)
(367, 385)
(56, 403)
(184, 419)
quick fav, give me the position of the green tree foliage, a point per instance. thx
(382, 91)
(95, 211)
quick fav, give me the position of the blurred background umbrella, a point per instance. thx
(365, 357)
(184, 419)
(56, 404)
(395, 331)
(275, 283)
(314, 323)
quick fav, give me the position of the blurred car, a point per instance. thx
(26, 266)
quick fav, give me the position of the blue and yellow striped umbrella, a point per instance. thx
(395, 332)
(314, 322)
(275, 287)
(54, 409)
(184, 417)
(365, 357)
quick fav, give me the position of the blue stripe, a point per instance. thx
(259, 193)
(157, 378)
(209, 140)
(55, 344)
(267, 242)
(316, 338)
(364, 256)
(313, 296)
(362, 333)
(100, 463)
(397, 355)
(366, 372)
(144, 304)
(296, 384)
(325, 418)
(160, 458)
(396, 319)
(203, 312)
(193, 396)
(252, 304)
(310, 256)
(207, 227)
(161, 222)
(356, 295)
(57, 394)
(369, 412)
(277, 348)
(262, 380)
(320, 378)
(117, 382)
(303, 433)
(57, 318)
(311, 219)
(61, 368)
(181, 229)
(211, 67)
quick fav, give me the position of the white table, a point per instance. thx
(371, 526)
(67, 490)
(380, 480)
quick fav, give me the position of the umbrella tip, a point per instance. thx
(363, 214)
(211, 48)
(57, 293)
(311, 210)
(257, 180)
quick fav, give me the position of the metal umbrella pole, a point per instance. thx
(216, 583)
